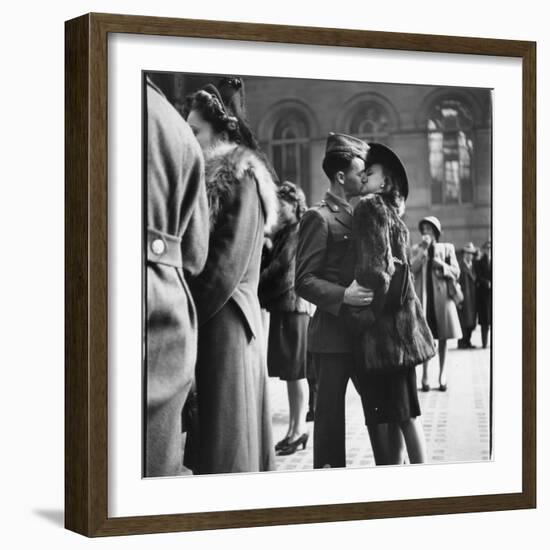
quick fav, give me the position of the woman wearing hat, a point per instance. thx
(393, 333)
(467, 310)
(434, 264)
(234, 417)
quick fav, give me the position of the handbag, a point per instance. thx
(399, 286)
(454, 290)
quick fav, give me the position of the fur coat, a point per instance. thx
(390, 338)
(235, 179)
(276, 289)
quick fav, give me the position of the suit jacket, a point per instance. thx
(468, 309)
(324, 268)
(484, 290)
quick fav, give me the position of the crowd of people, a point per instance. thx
(245, 282)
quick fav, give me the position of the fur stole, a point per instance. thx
(228, 165)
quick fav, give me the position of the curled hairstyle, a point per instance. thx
(292, 194)
(210, 106)
(392, 190)
(336, 162)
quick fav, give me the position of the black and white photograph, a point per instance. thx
(317, 274)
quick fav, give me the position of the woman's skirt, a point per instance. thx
(390, 397)
(287, 345)
(234, 415)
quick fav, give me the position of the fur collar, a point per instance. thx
(226, 165)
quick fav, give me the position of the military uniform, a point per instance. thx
(324, 268)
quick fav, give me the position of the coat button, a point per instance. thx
(158, 246)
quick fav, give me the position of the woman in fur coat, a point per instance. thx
(231, 374)
(289, 315)
(393, 334)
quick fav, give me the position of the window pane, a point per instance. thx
(371, 121)
(450, 149)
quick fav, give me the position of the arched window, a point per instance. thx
(289, 146)
(371, 121)
(451, 147)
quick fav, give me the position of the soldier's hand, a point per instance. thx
(357, 295)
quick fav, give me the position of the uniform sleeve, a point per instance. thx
(310, 259)
(231, 245)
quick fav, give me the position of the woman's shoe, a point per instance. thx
(442, 387)
(425, 387)
(282, 444)
(292, 446)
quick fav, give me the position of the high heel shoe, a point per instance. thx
(282, 444)
(292, 446)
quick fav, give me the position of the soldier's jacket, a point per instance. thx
(324, 268)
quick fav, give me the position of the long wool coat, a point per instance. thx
(448, 324)
(177, 245)
(234, 417)
(484, 290)
(392, 339)
(467, 312)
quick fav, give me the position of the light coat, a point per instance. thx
(448, 324)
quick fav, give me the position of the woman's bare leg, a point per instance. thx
(425, 378)
(413, 432)
(297, 402)
(442, 357)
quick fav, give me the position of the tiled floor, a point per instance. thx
(456, 422)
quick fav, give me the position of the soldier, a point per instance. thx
(177, 248)
(324, 253)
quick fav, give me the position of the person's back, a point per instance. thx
(177, 245)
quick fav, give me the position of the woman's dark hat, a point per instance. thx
(381, 154)
(433, 221)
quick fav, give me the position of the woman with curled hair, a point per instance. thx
(231, 375)
(289, 315)
(393, 335)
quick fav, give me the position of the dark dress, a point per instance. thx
(289, 319)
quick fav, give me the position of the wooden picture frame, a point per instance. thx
(86, 280)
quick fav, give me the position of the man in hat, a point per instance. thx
(467, 311)
(324, 254)
(484, 291)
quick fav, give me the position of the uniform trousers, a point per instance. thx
(334, 370)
